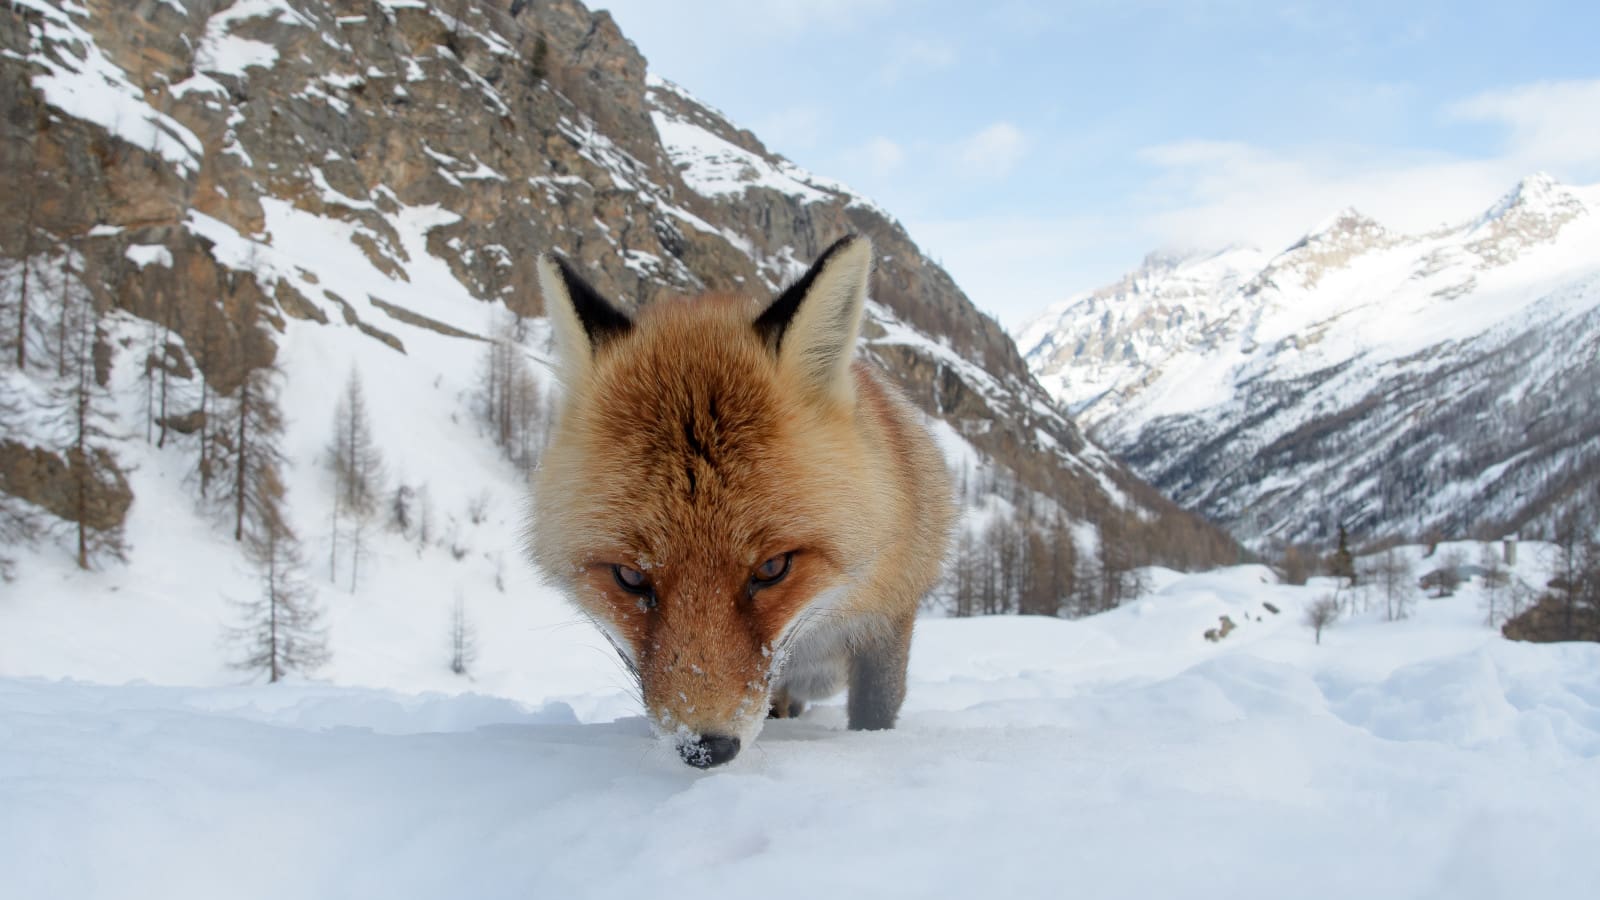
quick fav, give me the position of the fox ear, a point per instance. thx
(813, 325)
(582, 320)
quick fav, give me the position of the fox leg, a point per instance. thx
(784, 706)
(878, 678)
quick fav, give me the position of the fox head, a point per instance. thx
(703, 495)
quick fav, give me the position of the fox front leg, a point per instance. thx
(878, 679)
(785, 707)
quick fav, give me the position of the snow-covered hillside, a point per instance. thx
(1117, 756)
(374, 181)
(1399, 383)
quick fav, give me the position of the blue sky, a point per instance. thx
(1039, 149)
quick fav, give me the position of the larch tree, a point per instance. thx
(1391, 571)
(248, 427)
(463, 639)
(281, 630)
(357, 466)
(1343, 564)
(508, 394)
(1496, 581)
(79, 402)
(20, 522)
(24, 218)
(208, 358)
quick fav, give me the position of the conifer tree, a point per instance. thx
(1343, 564)
(508, 394)
(79, 401)
(281, 629)
(357, 466)
(463, 639)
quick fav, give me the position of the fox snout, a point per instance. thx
(708, 750)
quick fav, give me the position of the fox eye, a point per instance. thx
(633, 581)
(772, 571)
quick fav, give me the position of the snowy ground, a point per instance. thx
(1120, 756)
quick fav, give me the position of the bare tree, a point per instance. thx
(1322, 614)
(79, 400)
(1343, 564)
(25, 209)
(357, 474)
(1119, 578)
(424, 517)
(1572, 580)
(508, 394)
(1295, 564)
(20, 523)
(1392, 573)
(1496, 581)
(964, 574)
(463, 639)
(281, 631)
(401, 517)
(160, 357)
(1450, 574)
(209, 434)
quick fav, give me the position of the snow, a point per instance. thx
(1299, 313)
(714, 167)
(224, 53)
(143, 255)
(78, 79)
(1116, 756)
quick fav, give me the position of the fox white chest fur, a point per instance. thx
(749, 515)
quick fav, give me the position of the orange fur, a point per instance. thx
(687, 450)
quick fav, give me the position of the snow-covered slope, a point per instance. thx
(378, 178)
(1396, 383)
(1117, 756)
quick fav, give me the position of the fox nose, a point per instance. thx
(709, 750)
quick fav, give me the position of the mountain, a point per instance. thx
(1399, 384)
(240, 204)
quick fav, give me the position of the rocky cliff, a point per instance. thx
(393, 167)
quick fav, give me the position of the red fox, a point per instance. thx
(750, 516)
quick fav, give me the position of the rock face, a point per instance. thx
(379, 163)
(50, 481)
(1401, 385)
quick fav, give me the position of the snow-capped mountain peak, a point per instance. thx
(1539, 194)
(1350, 365)
(1534, 212)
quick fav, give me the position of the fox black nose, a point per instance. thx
(710, 750)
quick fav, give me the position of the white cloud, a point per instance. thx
(993, 151)
(1550, 124)
(1209, 193)
(881, 156)
(1013, 266)
(907, 56)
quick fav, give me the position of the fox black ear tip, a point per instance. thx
(557, 260)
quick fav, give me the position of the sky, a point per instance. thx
(1041, 149)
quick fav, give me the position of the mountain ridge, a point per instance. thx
(1324, 340)
(223, 182)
